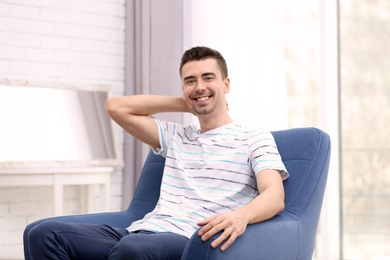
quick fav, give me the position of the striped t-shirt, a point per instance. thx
(207, 173)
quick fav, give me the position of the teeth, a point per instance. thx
(203, 98)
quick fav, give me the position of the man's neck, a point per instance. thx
(210, 123)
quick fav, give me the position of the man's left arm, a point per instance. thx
(267, 204)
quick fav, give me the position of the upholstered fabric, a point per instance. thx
(289, 235)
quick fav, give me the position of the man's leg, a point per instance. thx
(148, 245)
(61, 240)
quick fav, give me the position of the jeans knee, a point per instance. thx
(41, 231)
(38, 238)
(143, 246)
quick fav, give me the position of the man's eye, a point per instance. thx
(208, 78)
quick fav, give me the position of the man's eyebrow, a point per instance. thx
(189, 77)
(203, 75)
(208, 74)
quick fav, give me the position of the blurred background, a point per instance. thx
(301, 63)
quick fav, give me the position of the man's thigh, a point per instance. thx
(149, 245)
(61, 240)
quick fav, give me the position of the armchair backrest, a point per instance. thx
(148, 189)
(305, 152)
(306, 155)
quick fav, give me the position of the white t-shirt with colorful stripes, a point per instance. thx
(207, 173)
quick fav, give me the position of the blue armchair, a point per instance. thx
(289, 235)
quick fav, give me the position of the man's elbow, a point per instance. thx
(111, 106)
(281, 206)
(280, 203)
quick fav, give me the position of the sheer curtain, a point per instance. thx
(154, 46)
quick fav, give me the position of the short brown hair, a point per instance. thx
(201, 53)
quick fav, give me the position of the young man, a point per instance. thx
(220, 177)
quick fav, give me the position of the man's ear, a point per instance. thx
(227, 85)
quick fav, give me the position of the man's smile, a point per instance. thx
(202, 98)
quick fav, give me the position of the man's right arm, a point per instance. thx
(132, 113)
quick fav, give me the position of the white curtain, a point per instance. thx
(154, 46)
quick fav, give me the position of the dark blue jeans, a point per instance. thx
(60, 240)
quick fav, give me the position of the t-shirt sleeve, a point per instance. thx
(165, 132)
(264, 154)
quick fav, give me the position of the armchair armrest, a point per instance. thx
(272, 239)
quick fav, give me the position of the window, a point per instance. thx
(365, 93)
(50, 124)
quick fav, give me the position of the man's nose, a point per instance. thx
(200, 86)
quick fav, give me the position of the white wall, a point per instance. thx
(57, 42)
(63, 41)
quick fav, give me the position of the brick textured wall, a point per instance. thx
(57, 41)
(71, 41)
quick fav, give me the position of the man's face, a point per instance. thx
(203, 87)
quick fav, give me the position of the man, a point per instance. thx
(220, 177)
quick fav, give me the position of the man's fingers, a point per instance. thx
(205, 221)
(227, 238)
(230, 225)
(208, 225)
(210, 230)
(230, 241)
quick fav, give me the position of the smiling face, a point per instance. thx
(204, 88)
